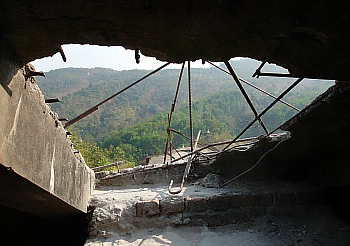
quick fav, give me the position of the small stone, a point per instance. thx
(186, 221)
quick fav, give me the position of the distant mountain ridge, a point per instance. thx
(81, 88)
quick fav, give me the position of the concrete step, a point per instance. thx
(130, 208)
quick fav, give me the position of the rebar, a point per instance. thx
(264, 111)
(94, 108)
(233, 74)
(171, 113)
(190, 103)
(256, 87)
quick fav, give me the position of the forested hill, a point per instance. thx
(217, 104)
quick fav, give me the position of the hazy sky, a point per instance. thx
(90, 56)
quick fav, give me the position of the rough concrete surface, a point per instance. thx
(306, 37)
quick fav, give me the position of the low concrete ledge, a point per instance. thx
(232, 205)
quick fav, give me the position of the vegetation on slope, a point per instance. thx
(133, 124)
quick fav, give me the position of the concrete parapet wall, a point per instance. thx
(34, 144)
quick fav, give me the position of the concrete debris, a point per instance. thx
(211, 181)
(276, 137)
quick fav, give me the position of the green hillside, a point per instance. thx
(136, 120)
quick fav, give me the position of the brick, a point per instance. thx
(241, 200)
(305, 197)
(195, 204)
(284, 199)
(139, 208)
(263, 199)
(218, 203)
(147, 208)
(172, 205)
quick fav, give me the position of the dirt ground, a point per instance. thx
(115, 225)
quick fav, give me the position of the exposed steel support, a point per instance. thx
(233, 74)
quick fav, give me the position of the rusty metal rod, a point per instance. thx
(233, 74)
(264, 111)
(137, 56)
(218, 143)
(186, 172)
(252, 167)
(64, 58)
(255, 87)
(214, 144)
(107, 166)
(79, 117)
(187, 137)
(171, 112)
(52, 100)
(257, 71)
(94, 108)
(190, 102)
(280, 75)
(172, 146)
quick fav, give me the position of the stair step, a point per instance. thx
(151, 206)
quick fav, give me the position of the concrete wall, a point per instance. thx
(34, 145)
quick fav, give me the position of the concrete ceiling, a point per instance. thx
(310, 38)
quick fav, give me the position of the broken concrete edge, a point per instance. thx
(108, 175)
(325, 97)
(35, 145)
(222, 202)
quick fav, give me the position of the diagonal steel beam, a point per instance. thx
(255, 87)
(264, 111)
(239, 84)
(94, 108)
